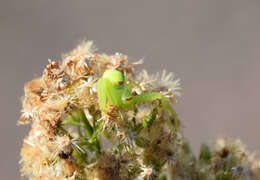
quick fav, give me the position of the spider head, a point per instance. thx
(115, 77)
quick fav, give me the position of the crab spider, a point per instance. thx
(112, 89)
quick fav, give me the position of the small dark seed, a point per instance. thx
(63, 155)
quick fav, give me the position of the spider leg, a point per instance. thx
(166, 107)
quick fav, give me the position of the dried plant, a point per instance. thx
(73, 138)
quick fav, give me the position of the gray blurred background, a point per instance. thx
(213, 46)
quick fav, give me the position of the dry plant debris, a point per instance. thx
(72, 138)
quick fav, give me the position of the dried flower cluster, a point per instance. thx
(71, 138)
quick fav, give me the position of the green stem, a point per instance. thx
(74, 123)
(87, 125)
(98, 151)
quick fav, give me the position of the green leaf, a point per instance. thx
(142, 142)
(205, 154)
(87, 125)
(149, 119)
(186, 147)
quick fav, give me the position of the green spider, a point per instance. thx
(112, 89)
